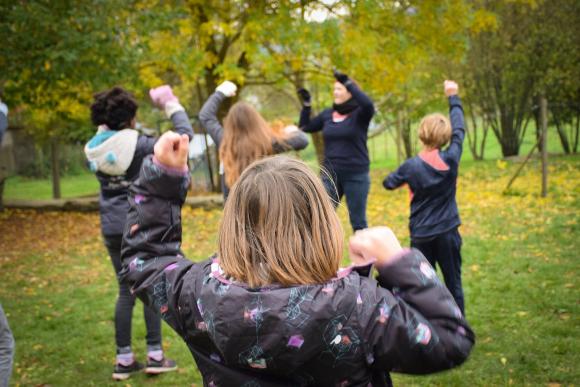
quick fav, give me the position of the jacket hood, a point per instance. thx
(111, 152)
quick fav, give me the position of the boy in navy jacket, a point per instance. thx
(432, 179)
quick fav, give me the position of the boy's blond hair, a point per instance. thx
(434, 131)
(279, 226)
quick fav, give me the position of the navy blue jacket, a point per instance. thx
(433, 206)
(345, 142)
(349, 331)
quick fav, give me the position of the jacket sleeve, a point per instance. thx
(297, 141)
(456, 117)
(396, 179)
(153, 263)
(367, 108)
(208, 117)
(3, 120)
(411, 323)
(315, 124)
(181, 125)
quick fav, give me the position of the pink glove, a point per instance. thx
(162, 95)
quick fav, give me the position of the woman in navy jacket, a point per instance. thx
(346, 158)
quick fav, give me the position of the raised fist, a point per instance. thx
(373, 244)
(171, 150)
(451, 88)
(227, 88)
(304, 96)
(162, 95)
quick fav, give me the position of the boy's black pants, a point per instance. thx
(445, 250)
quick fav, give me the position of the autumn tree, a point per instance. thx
(54, 55)
(402, 51)
(556, 53)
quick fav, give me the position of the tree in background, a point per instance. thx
(519, 52)
(402, 51)
(556, 53)
(54, 56)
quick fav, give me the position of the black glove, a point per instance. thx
(341, 77)
(304, 96)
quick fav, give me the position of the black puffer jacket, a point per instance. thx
(113, 205)
(350, 331)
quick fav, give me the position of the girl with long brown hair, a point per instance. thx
(245, 135)
(272, 307)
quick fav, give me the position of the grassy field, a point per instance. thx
(382, 152)
(18, 187)
(520, 275)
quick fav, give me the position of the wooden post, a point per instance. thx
(544, 120)
(386, 142)
(54, 149)
(209, 167)
(399, 135)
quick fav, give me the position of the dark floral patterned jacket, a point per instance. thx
(350, 331)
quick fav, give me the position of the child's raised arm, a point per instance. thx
(153, 263)
(364, 102)
(163, 98)
(455, 148)
(209, 110)
(306, 124)
(410, 323)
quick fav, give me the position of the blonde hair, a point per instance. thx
(247, 137)
(279, 226)
(435, 130)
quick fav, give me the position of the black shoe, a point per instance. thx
(155, 367)
(122, 372)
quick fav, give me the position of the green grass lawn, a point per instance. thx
(520, 274)
(18, 187)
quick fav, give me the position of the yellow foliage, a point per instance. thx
(483, 21)
(149, 76)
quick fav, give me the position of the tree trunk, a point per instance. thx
(483, 140)
(54, 150)
(509, 140)
(537, 120)
(317, 138)
(399, 137)
(2, 180)
(544, 115)
(576, 133)
(472, 142)
(407, 138)
(561, 133)
(318, 142)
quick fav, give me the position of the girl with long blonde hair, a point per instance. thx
(272, 307)
(245, 136)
